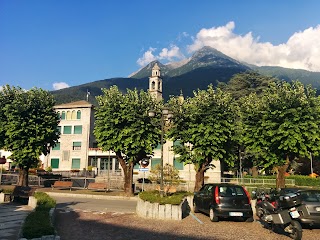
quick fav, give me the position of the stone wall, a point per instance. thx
(166, 212)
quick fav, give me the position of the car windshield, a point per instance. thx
(310, 196)
(229, 191)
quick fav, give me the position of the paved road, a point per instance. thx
(96, 205)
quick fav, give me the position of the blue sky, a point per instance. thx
(52, 44)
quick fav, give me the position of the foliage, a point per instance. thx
(38, 222)
(122, 125)
(154, 197)
(170, 174)
(243, 84)
(284, 121)
(205, 126)
(28, 124)
(49, 169)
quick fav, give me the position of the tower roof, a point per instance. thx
(156, 67)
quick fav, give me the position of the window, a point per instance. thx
(73, 115)
(56, 146)
(63, 115)
(155, 162)
(67, 130)
(77, 129)
(178, 165)
(78, 114)
(158, 147)
(75, 163)
(137, 166)
(59, 129)
(59, 115)
(153, 85)
(76, 146)
(68, 115)
(177, 143)
(54, 163)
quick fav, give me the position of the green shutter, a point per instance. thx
(158, 147)
(77, 144)
(67, 130)
(63, 115)
(178, 165)
(55, 163)
(77, 129)
(56, 146)
(75, 163)
(177, 143)
(137, 166)
(154, 162)
(59, 129)
(78, 114)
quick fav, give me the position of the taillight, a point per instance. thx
(248, 195)
(216, 195)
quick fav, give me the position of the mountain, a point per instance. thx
(206, 66)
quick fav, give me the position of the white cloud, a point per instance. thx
(166, 54)
(60, 85)
(302, 50)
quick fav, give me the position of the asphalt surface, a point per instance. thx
(95, 205)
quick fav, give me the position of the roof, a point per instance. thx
(156, 67)
(77, 104)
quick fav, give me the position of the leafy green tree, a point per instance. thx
(282, 124)
(245, 83)
(122, 125)
(170, 174)
(205, 125)
(29, 126)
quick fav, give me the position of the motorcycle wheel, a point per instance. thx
(295, 231)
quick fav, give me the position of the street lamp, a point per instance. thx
(165, 115)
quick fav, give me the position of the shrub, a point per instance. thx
(154, 197)
(38, 223)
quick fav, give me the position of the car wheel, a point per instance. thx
(195, 208)
(213, 216)
(249, 219)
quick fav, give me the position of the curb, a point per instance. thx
(74, 195)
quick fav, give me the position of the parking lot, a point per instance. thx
(97, 225)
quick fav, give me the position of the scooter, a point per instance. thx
(280, 212)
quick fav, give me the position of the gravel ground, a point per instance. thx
(80, 225)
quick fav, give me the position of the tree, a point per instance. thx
(204, 124)
(29, 126)
(282, 124)
(170, 175)
(122, 125)
(245, 83)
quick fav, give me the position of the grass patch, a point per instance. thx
(154, 197)
(38, 223)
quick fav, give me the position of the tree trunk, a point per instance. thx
(199, 178)
(23, 177)
(281, 171)
(128, 176)
(254, 171)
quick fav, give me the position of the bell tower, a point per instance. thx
(155, 83)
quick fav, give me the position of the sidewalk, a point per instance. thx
(12, 216)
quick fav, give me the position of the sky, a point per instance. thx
(54, 44)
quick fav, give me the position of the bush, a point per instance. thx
(154, 197)
(38, 223)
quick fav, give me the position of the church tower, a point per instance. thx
(155, 83)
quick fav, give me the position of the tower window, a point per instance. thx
(153, 85)
(159, 86)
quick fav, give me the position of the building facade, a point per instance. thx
(76, 149)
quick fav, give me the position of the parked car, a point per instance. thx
(311, 198)
(223, 200)
(146, 180)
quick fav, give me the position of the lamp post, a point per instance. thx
(165, 114)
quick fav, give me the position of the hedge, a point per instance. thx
(300, 180)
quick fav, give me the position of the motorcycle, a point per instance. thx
(280, 212)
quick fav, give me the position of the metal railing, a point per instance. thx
(256, 181)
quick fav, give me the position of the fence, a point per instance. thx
(256, 181)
